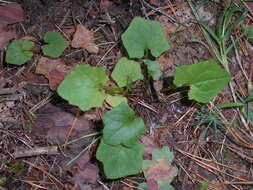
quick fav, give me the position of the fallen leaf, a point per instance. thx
(5, 37)
(53, 69)
(84, 38)
(168, 26)
(68, 31)
(249, 6)
(54, 124)
(160, 171)
(88, 174)
(82, 169)
(166, 64)
(11, 13)
(149, 145)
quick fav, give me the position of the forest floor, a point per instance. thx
(212, 147)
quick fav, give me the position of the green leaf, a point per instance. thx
(114, 101)
(126, 71)
(163, 153)
(56, 44)
(248, 32)
(159, 170)
(234, 24)
(210, 32)
(145, 165)
(19, 52)
(202, 186)
(81, 87)
(143, 35)
(206, 79)
(122, 126)
(143, 186)
(165, 185)
(119, 161)
(153, 69)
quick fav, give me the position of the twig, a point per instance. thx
(131, 186)
(49, 150)
(72, 127)
(106, 53)
(101, 183)
(151, 7)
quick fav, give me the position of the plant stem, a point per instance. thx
(112, 90)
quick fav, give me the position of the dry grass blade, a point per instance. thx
(47, 173)
(208, 166)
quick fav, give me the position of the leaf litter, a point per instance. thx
(84, 38)
(53, 69)
(161, 167)
(11, 13)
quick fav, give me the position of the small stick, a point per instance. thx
(48, 150)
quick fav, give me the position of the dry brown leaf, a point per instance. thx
(161, 171)
(166, 64)
(168, 26)
(11, 13)
(53, 69)
(5, 37)
(250, 6)
(54, 124)
(88, 174)
(84, 38)
(149, 145)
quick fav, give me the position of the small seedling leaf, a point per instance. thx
(126, 71)
(19, 52)
(114, 101)
(143, 35)
(153, 69)
(81, 87)
(56, 44)
(206, 79)
(119, 161)
(165, 185)
(158, 172)
(122, 126)
(163, 153)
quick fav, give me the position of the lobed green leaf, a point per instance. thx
(122, 126)
(206, 79)
(81, 87)
(142, 35)
(126, 71)
(119, 161)
(56, 44)
(19, 52)
(154, 69)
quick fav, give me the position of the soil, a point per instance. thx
(220, 155)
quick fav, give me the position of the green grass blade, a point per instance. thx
(230, 105)
(236, 22)
(233, 43)
(206, 34)
(228, 15)
(210, 32)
